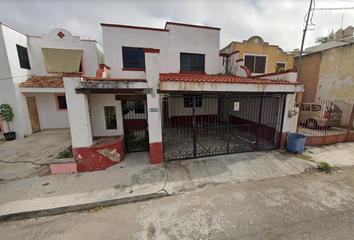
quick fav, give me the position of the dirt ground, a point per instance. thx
(312, 205)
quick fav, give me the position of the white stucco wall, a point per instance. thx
(179, 39)
(92, 52)
(49, 116)
(79, 114)
(289, 77)
(188, 39)
(290, 123)
(11, 76)
(114, 38)
(97, 102)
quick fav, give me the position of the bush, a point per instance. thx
(6, 114)
(324, 167)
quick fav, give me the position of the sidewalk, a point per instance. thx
(135, 179)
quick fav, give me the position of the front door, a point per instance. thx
(33, 114)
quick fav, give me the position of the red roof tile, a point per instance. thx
(183, 77)
(43, 82)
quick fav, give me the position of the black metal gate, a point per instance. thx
(199, 126)
(135, 126)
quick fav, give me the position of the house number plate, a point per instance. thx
(236, 106)
(153, 110)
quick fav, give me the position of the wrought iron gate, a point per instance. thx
(135, 126)
(199, 126)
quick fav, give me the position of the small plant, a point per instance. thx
(6, 114)
(324, 167)
(305, 157)
(67, 153)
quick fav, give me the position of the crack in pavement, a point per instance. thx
(164, 185)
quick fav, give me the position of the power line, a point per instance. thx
(325, 9)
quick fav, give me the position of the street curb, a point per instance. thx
(79, 207)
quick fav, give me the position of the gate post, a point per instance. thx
(350, 124)
(154, 105)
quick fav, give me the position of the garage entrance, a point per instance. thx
(205, 125)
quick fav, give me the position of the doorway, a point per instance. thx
(33, 114)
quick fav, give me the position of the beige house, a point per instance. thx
(260, 57)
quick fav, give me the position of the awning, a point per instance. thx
(62, 60)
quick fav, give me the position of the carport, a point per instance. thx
(223, 114)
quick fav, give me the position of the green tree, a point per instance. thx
(325, 39)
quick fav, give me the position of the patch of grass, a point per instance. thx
(67, 153)
(324, 167)
(302, 156)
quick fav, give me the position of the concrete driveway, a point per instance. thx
(17, 157)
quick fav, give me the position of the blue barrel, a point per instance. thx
(296, 143)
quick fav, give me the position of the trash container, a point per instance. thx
(296, 143)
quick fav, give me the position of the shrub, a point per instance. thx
(6, 114)
(324, 167)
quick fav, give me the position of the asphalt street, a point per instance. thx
(311, 205)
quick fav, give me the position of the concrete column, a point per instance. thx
(78, 112)
(154, 105)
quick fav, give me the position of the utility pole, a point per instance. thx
(302, 43)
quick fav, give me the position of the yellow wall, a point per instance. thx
(262, 47)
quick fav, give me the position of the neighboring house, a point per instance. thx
(327, 71)
(165, 91)
(260, 57)
(31, 84)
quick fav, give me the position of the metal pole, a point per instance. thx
(302, 43)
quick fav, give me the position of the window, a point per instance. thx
(188, 102)
(23, 57)
(139, 107)
(61, 102)
(281, 65)
(133, 58)
(305, 108)
(192, 62)
(316, 108)
(110, 117)
(256, 64)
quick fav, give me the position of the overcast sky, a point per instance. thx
(279, 22)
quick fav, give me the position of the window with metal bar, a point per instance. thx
(188, 102)
(23, 57)
(110, 117)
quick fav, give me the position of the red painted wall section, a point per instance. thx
(99, 157)
(156, 153)
(283, 137)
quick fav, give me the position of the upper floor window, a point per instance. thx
(23, 57)
(256, 64)
(280, 66)
(192, 62)
(133, 58)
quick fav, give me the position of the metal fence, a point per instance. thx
(326, 122)
(207, 125)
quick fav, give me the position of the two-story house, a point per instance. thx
(31, 76)
(164, 91)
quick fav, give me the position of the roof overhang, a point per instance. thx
(127, 87)
(228, 87)
(42, 90)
